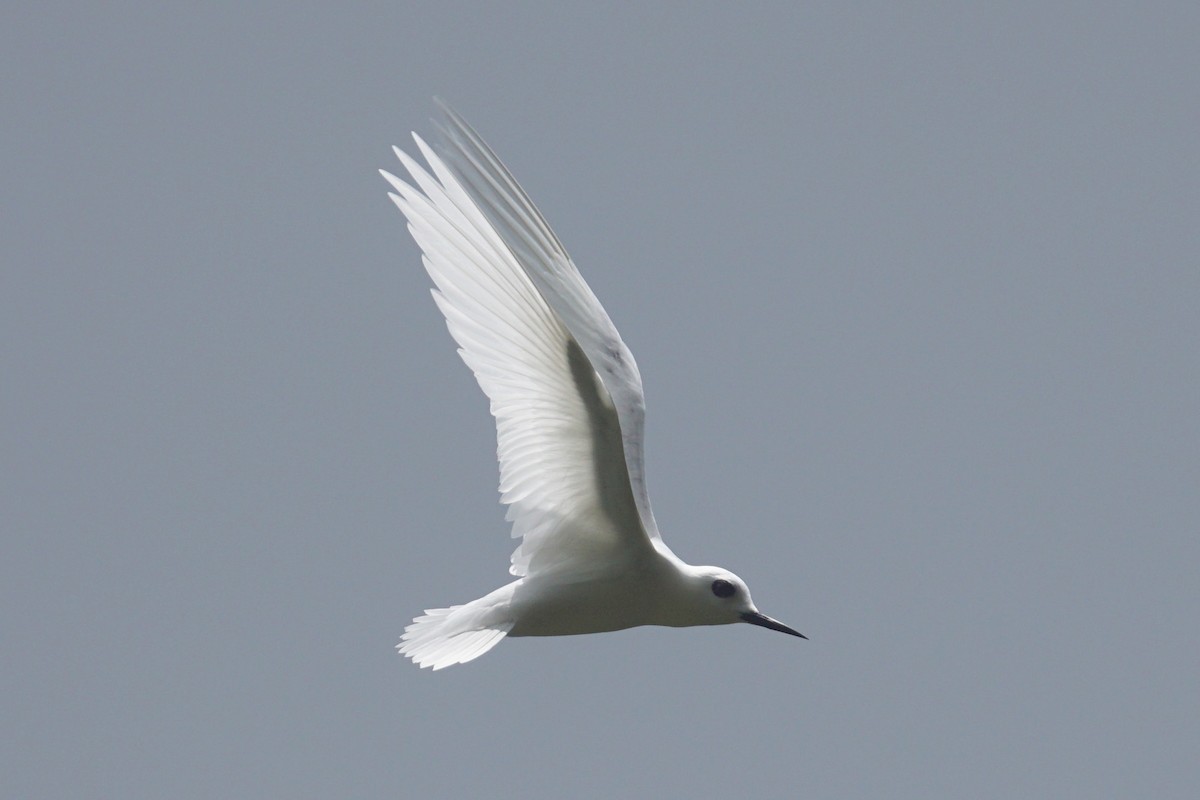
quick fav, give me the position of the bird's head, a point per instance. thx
(723, 597)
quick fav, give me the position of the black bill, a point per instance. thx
(762, 620)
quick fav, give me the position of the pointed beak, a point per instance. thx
(762, 620)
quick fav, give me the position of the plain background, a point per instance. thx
(914, 290)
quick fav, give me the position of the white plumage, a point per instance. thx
(569, 409)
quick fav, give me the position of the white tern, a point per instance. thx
(569, 409)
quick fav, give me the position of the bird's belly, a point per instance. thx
(574, 608)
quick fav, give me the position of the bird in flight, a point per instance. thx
(567, 398)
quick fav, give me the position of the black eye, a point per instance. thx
(723, 588)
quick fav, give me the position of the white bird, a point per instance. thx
(567, 398)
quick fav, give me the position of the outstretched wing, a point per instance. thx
(564, 389)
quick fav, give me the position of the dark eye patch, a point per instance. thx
(723, 588)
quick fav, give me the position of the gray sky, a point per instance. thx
(914, 293)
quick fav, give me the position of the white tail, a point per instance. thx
(444, 637)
